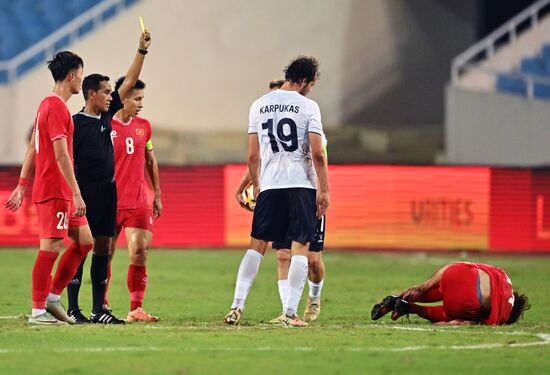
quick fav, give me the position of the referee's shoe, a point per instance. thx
(105, 317)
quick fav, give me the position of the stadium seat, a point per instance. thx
(511, 84)
(537, 66)
(534, 66)
(24, 23)
(541, 91)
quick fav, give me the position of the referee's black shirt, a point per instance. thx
(94, 156)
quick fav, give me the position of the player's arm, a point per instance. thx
(65, 165)
(245, 183)
(135, 69)
(414, 292)
(321, 167)
(254, 162)
(18, 194)
(152, 168)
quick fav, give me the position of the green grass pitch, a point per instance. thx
(192, 290)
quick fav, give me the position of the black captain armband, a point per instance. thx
(143, 51)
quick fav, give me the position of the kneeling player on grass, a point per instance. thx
(134, 154)
(471, 293)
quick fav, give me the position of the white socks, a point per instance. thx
(245, 277)
(36, 312)
(315, 289)
(297, 275)
(53, 297)
(283, 292)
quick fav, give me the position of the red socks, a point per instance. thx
(105, 299)
(137, 282)
(68, 264)
(432, 295)
(42, 277)
(432, 313)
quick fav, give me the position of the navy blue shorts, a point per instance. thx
(316, 245)
(101, 202)
(285, 214)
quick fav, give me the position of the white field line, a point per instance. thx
(7, 317)
(544, 339)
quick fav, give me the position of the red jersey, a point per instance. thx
(502, 298)
(130, 143)
(53, 121)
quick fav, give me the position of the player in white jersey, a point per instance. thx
(316, 266)
(285, 136)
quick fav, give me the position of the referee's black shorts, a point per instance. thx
(316, 245)
(100, 199)
(285, 215)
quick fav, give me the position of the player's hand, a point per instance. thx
(16, 199)
(256, 191)
(145, 40)
(157, 208)
(79, 205)
(323, 201)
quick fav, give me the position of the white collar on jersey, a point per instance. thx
(124, 123)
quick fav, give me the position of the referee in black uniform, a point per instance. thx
(95, 170)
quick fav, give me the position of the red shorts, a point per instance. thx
(55, 217)
(459, 289)
(141, 218)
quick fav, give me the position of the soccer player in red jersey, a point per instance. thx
(59, 204)
(471, 293)
(134, 154)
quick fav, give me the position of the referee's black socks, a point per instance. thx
(98, 273)
(74, 288)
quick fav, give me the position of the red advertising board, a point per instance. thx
(372, 207)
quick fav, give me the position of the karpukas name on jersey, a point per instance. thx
(279, 108)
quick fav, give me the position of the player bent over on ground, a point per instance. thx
(95, 172)
(471, 293)
(285, 133)
(134, 154)
(58, 200)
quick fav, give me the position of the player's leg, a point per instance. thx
(41, 280)
(138, 244)
(283, 264)
(432, 313)
(316, 272)
(72, 259)
(248, 269)
(102, 217)
(53, 221)
(297, 275)
(316, 276)
(301, 230)
(269, 222)
(119, 225)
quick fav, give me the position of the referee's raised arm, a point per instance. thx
(135, 69)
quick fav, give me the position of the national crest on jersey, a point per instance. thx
(129, 141)
(283, 120)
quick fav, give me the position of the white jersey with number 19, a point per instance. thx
(282, 119)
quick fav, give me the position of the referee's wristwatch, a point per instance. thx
(143, 51)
